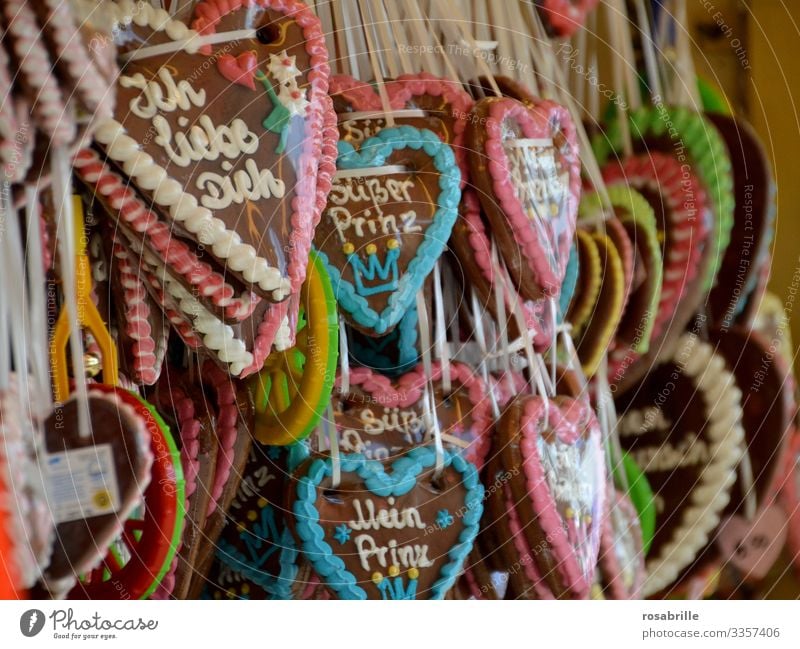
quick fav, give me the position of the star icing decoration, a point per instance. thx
(274, 452)
(342, 533)
(444, 518)
(283, 67)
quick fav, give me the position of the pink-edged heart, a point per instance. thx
(380, 418)
(524, 162)
(559, 494)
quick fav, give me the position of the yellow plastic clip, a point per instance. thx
(88, 318)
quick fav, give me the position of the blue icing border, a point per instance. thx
(374, 153)
(400, 481)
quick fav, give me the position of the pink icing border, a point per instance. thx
(363, 96)
(382, 389)
(9, 126)
(790, 498)
(537, 121)
(226, 428)
(158, 236)
(527, 561)
(567, 429)
(481, 247)
(48, 103)
(147, 363)
(207, 15)
(608, 558)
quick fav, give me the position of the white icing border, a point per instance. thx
(724, 428)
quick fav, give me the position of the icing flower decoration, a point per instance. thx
(293, 99)
(283, 68)
(342, 533)
(444, 518)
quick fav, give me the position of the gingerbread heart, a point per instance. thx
(754, 194)
(95, 481)
(524, 162)
(682, 215)
(683, 427)
(589, 282)
(391, 536)
(385, 226)
(381, 419)
(141, 327)
(596, 337)
(256, 541)
(419, 100)
(195, 426)
(231, 169)
(559, 495)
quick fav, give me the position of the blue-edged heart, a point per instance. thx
(256, 541)
(389, 215)
(392, 354)
(395, 535)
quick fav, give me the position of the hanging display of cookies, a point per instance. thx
(384, 300)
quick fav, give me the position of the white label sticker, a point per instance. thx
(82, 483)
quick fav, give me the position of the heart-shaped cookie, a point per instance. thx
(443, 104)
(682, 217)
(524, 163)
(636, 216)
(391, 536)
(195, 426)
(754, 194)
(594, 340)
(381, 419)
(95, 482)
(588, 284)
(683, 428)
(256, 541)
(141, 327)
(389, 215)
(232, 169)
(685, 134)
(559, 494)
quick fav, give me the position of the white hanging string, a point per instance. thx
(440, 331)
(400, 36)
(329, 422)
(428, 402)
(61, 175)
(649, 52)
(344, 358)
(375, 62)
(37, 299)
(480, 338)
